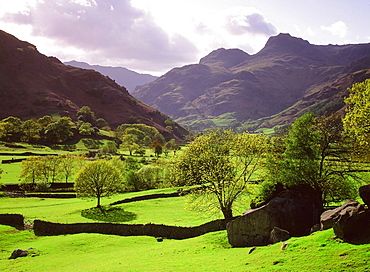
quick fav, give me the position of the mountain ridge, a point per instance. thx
(33, 85)
(245, 88)
(123, 76)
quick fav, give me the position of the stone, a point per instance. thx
(293, 211)
(352, 224)
(364, 192)
(327, 217)
(18, 253)
(279, 235)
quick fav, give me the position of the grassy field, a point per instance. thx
(210, 252)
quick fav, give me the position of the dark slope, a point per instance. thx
(230, 87)
(123, 76)
(32, 85)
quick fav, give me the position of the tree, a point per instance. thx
(31, 169)
(86, 114)
(109, 147)
(85, 129)
(222, 163)
(129, 142)
(315, 157)
(31, 131)
(157, 147)
(10, 128)
(60, 130)
(98, 179)
(356, 120)
(68, 165)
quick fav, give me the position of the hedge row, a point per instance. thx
(171, 232)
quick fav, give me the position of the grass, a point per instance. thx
(170, 211)
(210, 252)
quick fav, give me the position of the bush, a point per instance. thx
(268, 191)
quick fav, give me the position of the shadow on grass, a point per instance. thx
(108, 214)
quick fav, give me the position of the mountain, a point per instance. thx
(123, 76)
(33, 85)
(229, 87)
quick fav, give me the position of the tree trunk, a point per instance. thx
(227, 212)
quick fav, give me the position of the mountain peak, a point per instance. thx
(285, 43)
(225, 58)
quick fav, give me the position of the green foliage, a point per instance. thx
(314, 156)
(59, 131)
(129, 142)
(86, 114)
(98, 179)
(31, 131)
(85, 129)
(356, 121)
(223, 163)
(109, 147)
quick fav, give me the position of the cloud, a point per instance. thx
(339, 29)
(248, 20)
(110, 29)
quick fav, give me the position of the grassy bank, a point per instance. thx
(210, 252)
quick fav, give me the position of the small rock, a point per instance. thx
(279, 235)
(18, 253)
(284, 246)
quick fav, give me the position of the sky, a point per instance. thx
(154, 36)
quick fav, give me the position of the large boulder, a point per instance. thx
(352, 224)
(293, 211)
(364, 192)
(328, 217)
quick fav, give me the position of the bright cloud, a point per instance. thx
(241, 20)
(339, 29)
(112, 29)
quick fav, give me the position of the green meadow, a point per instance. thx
(210, 252)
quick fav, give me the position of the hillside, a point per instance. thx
(232, 88)
(33, 85)
(123, 76)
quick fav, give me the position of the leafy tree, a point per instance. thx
(223, 163)
(60, 130)
(86, 114)
(10, 128)
(85, 129)
(148, 130)
(314, 157)
(157, 147)
(45, 120)
(129, 142)
(98, 179)
(109, 147)
(101, 123)
(68, 165)
(31, 131)
(31, 169)
(356, 121)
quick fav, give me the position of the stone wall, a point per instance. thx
(14, 220)
(155, 230)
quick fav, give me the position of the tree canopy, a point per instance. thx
(98, 179)
(222, 163)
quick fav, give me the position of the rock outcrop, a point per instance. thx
(328, 217)
(352, 224)
(291, 211)
(364, 192)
